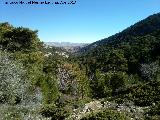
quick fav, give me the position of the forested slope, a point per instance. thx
(125, 66)
(141, 28)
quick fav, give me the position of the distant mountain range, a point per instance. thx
(72, 47)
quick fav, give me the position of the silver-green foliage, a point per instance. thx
(150, 71)
(19, 100)
(13, 83)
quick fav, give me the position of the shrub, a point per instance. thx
(106, 115)
(13, 83)
(149, 71)
(18, 98)
(56, 113)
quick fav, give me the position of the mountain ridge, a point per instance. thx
(140, 28)
(69, 46)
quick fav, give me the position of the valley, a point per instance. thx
(116, 78)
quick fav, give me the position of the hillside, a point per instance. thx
(126, 66)
(137, 44)
(142, 28)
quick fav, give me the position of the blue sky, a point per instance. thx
(84, 22)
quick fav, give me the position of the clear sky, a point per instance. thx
(84, 22)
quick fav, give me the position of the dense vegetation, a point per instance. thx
(115, 78)
(126, 66)
(106, 115)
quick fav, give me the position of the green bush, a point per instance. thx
(106, 115)
(56, 113)
(141, 94)
(20, 112)
(49, 89)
